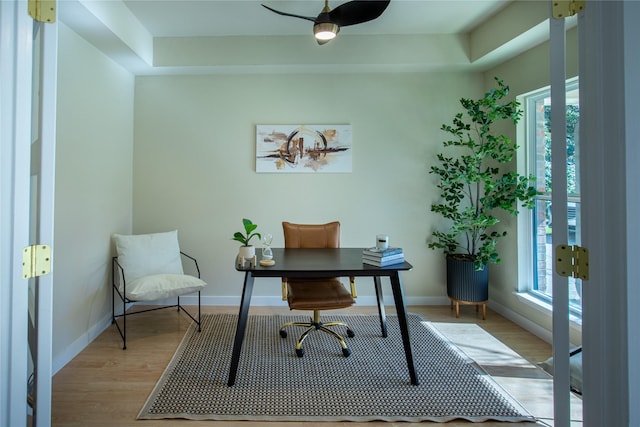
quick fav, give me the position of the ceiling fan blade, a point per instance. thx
(358, 11)
(308, 18)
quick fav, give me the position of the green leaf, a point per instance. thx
(245, 238)
(471, 183)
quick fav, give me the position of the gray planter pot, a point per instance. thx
(464, 283)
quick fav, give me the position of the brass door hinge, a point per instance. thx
(572, 261)
(36, 261)
(42, 10)
(563, 8)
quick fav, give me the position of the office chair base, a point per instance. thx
(318, 326)
(345, 351)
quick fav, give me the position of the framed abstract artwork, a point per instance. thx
(303, 148)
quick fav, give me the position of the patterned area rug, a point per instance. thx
(273, 384)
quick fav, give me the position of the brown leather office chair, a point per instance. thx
(315, 293)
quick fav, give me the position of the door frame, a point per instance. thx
(15, 129)
(16, 71)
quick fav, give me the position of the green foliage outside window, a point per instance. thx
(573, 117)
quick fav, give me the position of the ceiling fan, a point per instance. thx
(327, 24)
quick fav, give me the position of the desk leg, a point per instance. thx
(381, 312)
(240, 328)
(401, 309)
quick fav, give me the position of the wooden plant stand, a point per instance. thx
(457, 302)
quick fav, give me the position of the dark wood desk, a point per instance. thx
(341, 262)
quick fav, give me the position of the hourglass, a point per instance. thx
(266, 246)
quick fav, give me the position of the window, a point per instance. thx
(536, 129)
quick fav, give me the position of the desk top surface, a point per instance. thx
(335, 262)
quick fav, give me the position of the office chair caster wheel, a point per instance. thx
(346, 352)
(283, 334)
(350, 333)
(299, 352)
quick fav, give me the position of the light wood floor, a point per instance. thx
(106, 386)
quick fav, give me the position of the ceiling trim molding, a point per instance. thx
(113, 29)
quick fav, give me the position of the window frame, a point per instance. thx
(527, 233)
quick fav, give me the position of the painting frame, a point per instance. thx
(302, 148)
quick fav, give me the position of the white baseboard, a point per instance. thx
(92, 333)
(534, 328)
(80, 344)
(275, 301)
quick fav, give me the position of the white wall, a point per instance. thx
(93, 188)
(194, 165)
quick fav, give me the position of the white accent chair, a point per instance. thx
(149, 267)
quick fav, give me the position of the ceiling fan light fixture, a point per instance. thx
(325, 30)
(327, 24)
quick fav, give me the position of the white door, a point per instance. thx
(41, 210)
(610, 153)
(27, 131)
(561, 379)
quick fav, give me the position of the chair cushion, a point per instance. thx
(575, 370)
(318, 294)
(160, 286)
(147, 254)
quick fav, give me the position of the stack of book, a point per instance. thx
(382, 257)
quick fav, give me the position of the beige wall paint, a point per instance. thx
(194, 165)
(93, 193)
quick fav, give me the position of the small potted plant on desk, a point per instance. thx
(247, 252)
(474, 186)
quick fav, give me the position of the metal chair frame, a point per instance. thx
(316, 325)
(118, 272)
